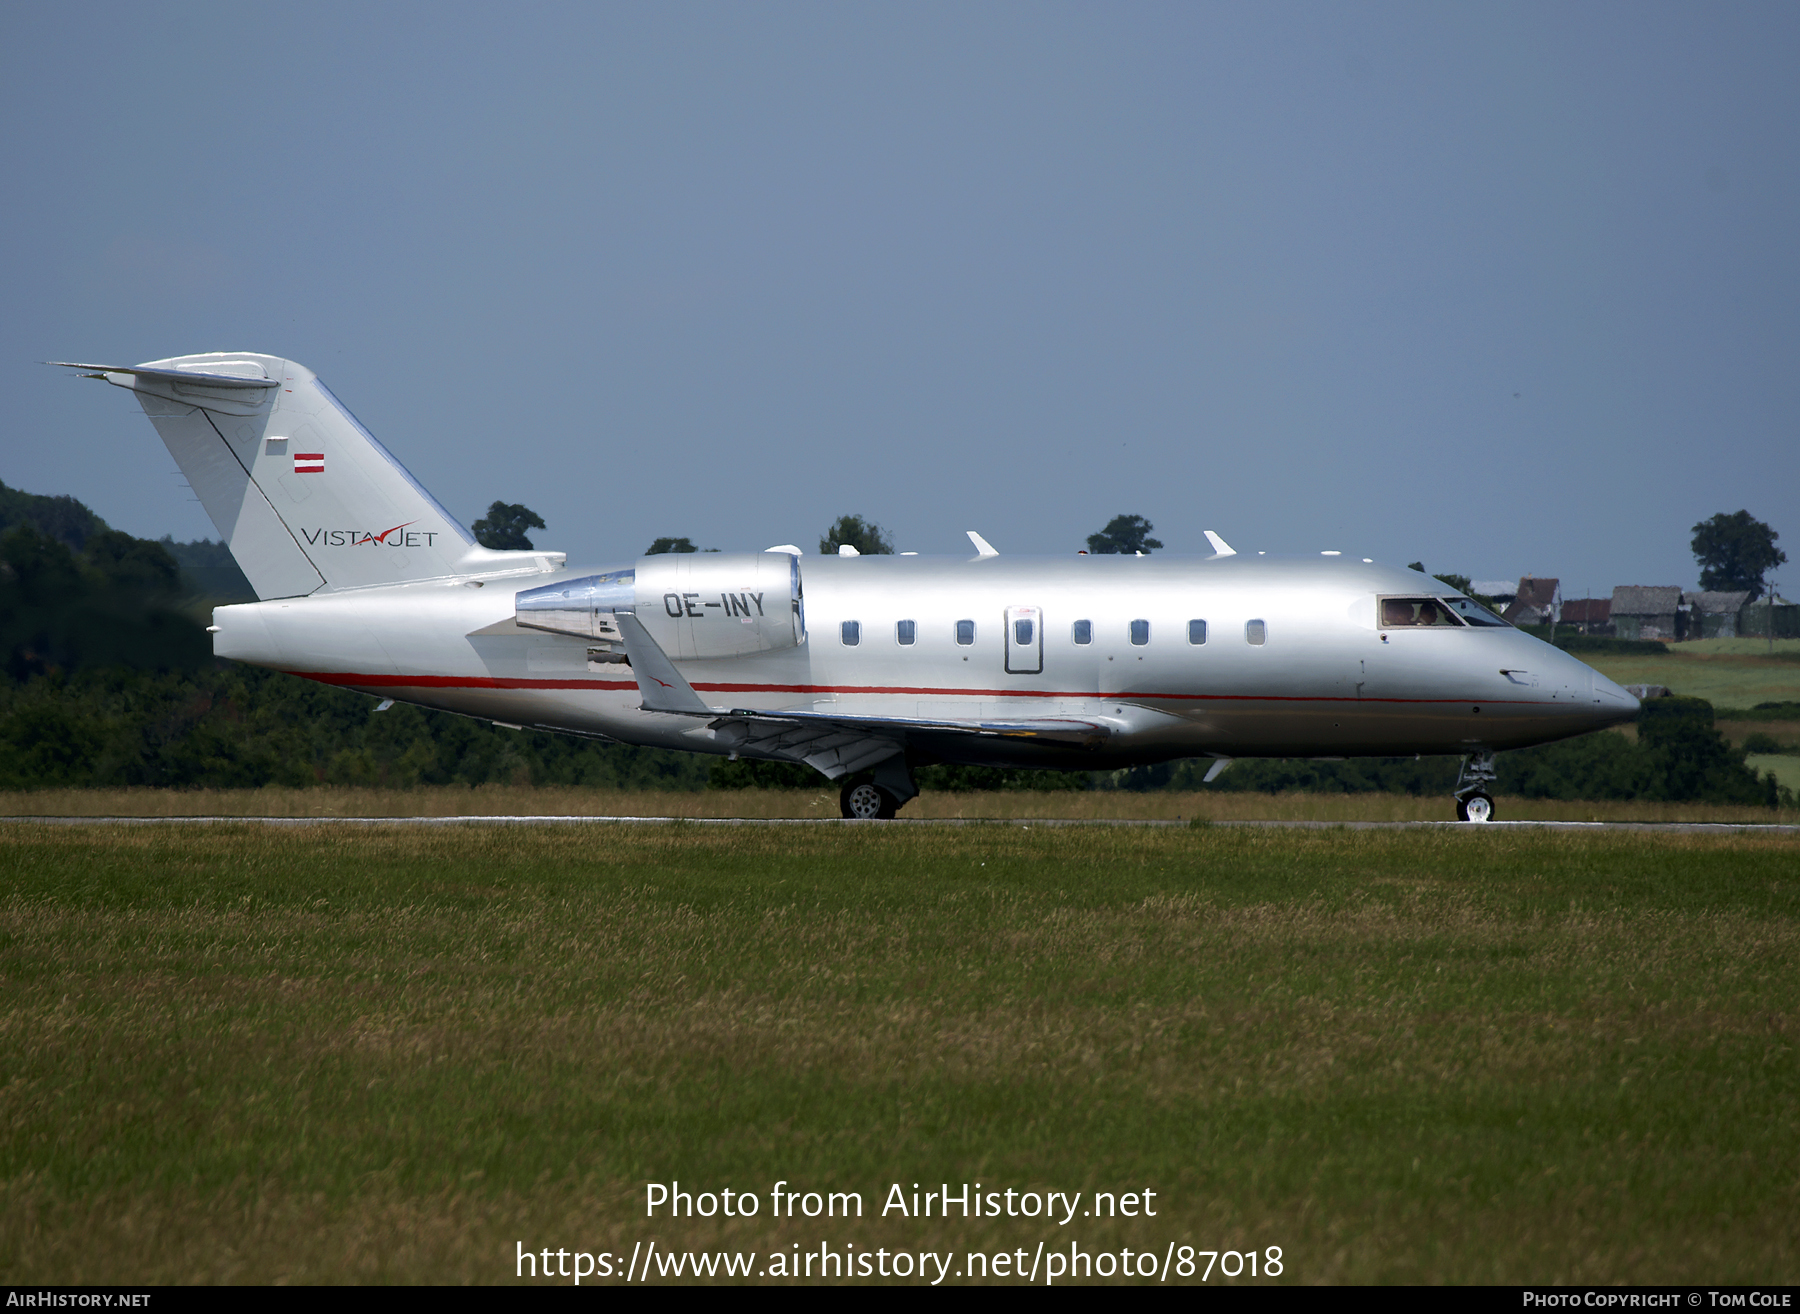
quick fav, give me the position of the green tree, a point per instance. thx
(663, 545)
(503, 528)
(135, 565)
(114, 604)
(1735, 552)
(209, 571)
(1123, 537)
(62, 518)
(243, 726)
(1692, 760)
(867, 537)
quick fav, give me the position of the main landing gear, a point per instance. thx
(1474, 788)
(877, 795)
(864, 800)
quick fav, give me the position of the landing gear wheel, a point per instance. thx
(1476, 807)
(863, 800)
(1474, 802)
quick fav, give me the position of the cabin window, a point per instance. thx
(1196, 632)
(852, 633)
(1255, 633)
(1023, 633)
(1140, 632)
(1473, 613)
(1415, 613)
(1084, 632)
(907, 633)
(965, 632)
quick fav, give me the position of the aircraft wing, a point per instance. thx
(842, 743)
(836, 743)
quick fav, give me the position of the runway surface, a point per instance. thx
(1023, 823)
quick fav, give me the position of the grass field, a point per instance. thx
(1729, 673)
(1786, 767)
(243, 1055)
(1096, 805)
(1781, 648)
(1785, 733)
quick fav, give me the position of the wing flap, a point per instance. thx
(1050, 729)
(839, 744)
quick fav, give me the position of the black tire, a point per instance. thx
(1476, 807)
(864, 800)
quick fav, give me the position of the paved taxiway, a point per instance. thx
(1024, 823)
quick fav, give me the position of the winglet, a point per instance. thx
(982, 546)
(1220, 547)
(1216, 770)
(662, 685)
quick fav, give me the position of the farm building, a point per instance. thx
(1589, 615)
(1714, 615)
(1646, 611)
(1754, 620)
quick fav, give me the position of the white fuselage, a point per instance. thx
(1326, 680)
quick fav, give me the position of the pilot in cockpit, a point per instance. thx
(1397, 612)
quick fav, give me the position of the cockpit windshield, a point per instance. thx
(1414, 613)
(1474, 613)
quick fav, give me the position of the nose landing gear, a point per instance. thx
(1474, 788)
(1476, 807)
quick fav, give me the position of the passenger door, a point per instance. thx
(1024, 640)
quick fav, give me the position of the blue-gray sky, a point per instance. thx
(1506, 288)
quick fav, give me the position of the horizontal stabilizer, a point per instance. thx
(211, 376)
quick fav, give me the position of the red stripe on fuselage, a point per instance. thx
(453, 681)
(508, 682)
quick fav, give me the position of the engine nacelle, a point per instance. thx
(696, 605)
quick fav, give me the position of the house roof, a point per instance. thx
(1646, 599)
(1586, 611)
(1535, 592)
(1535, 599)
(1717, 604)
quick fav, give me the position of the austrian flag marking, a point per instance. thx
(309, 462)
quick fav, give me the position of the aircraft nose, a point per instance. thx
(1612, 703)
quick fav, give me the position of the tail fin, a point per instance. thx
(305, 497)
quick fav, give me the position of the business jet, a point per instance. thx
(862, 667)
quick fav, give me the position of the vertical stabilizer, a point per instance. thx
(306, 498)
